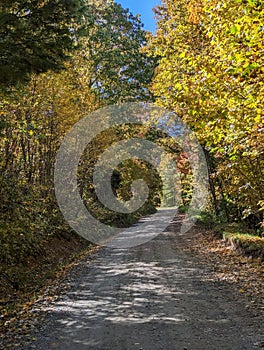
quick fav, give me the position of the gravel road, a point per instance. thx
(151, 297)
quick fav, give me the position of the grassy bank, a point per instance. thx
(245, 241)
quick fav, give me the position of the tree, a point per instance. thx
(37, 36)
(35, 116)
(111, 56)
(210, 72)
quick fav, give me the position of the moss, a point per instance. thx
(247, 243)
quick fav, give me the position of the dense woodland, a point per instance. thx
(210, 72)
(61, 60)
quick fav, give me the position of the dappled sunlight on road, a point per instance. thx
(149, 297)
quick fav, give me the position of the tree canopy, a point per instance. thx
(37, 35)
(111, 54)
(205, 63)
(106, 66)
(210, 73)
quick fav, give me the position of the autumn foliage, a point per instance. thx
(210, 72)
(205, 63)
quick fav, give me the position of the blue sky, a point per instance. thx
(144, 8)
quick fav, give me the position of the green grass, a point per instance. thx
(246, 241)
(249, 244)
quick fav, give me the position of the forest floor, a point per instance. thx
(178, 291)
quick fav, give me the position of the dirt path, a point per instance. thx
(150, 297)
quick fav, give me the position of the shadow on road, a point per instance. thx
(148, 297)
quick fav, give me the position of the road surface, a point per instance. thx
(150, 297)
